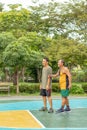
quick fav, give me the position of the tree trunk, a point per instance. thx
(39, 74)
(15, 80)
(23, 70)
(17, 86)
(6, 75)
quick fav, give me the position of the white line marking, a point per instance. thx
(35, 118)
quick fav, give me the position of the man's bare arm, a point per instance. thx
(69, 77)
(48, 83)
(55, 75)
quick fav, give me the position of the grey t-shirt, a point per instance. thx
(45, 72)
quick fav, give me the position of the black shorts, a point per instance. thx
(44, 92)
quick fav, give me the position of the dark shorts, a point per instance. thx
(65, 93)
(44, 92)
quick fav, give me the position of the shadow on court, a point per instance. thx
(77, 118)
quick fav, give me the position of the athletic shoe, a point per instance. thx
(43, 109)
(60, 110)
(50, 110)
(67, 109)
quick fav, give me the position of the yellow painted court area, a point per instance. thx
(18, 119)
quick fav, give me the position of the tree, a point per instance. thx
(73, 52)
(45, 30)
(37, 43)
(66, 19)
(74, 14)
(16, 55)
(6, 38)
(1, 7)
(15, 21)
(36, 65)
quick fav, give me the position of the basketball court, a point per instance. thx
(24, 115)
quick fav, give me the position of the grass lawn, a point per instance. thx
(55, 94)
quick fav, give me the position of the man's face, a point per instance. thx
(44, 62)
(60, 63)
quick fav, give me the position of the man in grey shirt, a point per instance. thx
(46, 85)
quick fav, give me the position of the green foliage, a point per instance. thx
(26, 88)
(55, 87)
(73, 52)
(12, 88)
(47, 29)
(16, 55)
(2, 75)
(6, 38)
(14, 19)
(35, 41)
(14, 6)
(1, 7)
(68, 19)
(84, 86)
(76, 13)
(77, 89)
(34, 87)
(29, 88)
(79, 75)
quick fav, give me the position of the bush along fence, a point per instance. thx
(34, 88)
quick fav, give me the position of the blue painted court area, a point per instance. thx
(77, 105)
(35, 105)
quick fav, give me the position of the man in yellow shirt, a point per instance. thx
(65, 85)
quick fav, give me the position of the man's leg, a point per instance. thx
(44, 101)
(50, 101)
(62, 105)
(51, 105)
(67, 102)
(48, 93)
(44, 108)
(63, 102)
(67, 105)
(43, 94)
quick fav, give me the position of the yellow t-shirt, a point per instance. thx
(63, 81)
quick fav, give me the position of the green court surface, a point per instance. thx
(77, 118)
(15, 115)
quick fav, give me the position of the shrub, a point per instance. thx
(29, 87)
(55, 87)
(34, 87)
(77, 89)
(79, 76)
(84, 86)
(12, 88)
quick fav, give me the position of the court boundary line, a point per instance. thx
(36, 119)
(9, 128)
